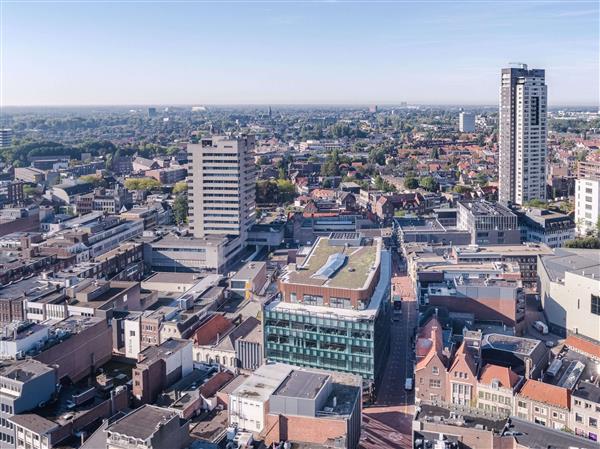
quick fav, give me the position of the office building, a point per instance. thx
(466, 122)
(25, 385)
(222, 178)
(488, 223)
(523, 133)
(570, 292)
(587, 205)
(334, 308)
(546, 226)
(6, 135)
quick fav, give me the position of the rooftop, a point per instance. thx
(23, 370)
(582, 262)
(301, 384)
(263, 382)
(34, 423)
(360, 263)
(545, 393)
(153, 353)
(535, 435)
(142, 422)
(510, 343)
(485, 208)
(249, 270)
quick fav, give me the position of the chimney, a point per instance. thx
(218, 338)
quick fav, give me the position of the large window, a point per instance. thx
(340, 303)
(313, 300)
(596, 304)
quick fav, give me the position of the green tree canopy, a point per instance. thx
(141, 183)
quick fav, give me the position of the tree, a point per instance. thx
(411, 183)
(537, 203)
(141, 184)
(590, 242)
(459, 188)
(481, 179)
(429, 184)
(180, 187)
(286, 191)
(180, 209)
(92, 179)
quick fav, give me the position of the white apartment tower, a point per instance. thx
(587, 205)
(221, 186)
(523, 133)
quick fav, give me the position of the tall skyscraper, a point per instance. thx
(221, 186)
(523, 133)
(5, 137)
(466, 122)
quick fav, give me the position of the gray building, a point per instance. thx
(466, 122)
(25, 384)
(488, 223)
(221, 179)
(546, 226)
(523, 134)
(6, 135)
(148, 427)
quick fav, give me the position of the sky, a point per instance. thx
(292, 52)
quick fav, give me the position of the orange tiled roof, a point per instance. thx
(584, 346)
(545, 393)
(507, 377)
(207, 333)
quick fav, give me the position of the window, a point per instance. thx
(435, 383)
(593, 422)
(596, 304)
(314, 300)
(435, 370)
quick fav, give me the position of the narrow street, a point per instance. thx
(389, 422)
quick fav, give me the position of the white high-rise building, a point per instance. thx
(466, 122)
(221, 186)
(523, 135)
(587, 205)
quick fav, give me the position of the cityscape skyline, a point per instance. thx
(126, 54)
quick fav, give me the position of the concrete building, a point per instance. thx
(522, 135)
(466, 122)
(284, 403)
(587, 205)
(546, 226)
(25, 384)
(251, 278)
(570, 292)
(148, 427)
(6, 135)
(334, 308)
(159, 367)
(588, 169)
(488, 223)
(221, 192)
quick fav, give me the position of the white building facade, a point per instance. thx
(587, 205)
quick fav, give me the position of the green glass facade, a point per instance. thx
(329, 341)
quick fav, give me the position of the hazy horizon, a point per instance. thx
(65, 54)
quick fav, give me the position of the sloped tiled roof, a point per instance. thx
(507, 377)
(545, 393)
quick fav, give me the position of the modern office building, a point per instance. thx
(587, 205)
(488, 223)
(546, 226)
(333, 312)
(523, 133)
(570, 292)
(466, 122)
(222, 178)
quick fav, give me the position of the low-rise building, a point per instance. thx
(488, 223)
(545, 226)
(545, 404)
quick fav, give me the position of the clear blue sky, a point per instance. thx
(59, 53)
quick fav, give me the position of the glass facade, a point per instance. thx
(330, 342)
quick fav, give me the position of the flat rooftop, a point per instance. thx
(23, 370)
(249, 270)
(153, 353)
(261, 384)
(142, 422)
(358, 267)
(527, 249)
(510, 343)
(582, 262)
(419, 224)
(485, 208)
(301, 384)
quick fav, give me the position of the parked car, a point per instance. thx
(540, 326)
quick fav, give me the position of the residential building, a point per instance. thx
(6, 135)
(432, 357)
(334, 308)
(462, 377)
(588, 169)
(570, 292)
(496, 389)
(221, 191)
(522, 135)
(587, 205)
(466, 122)
(488, 223)
(544, 404)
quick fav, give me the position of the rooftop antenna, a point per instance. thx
(518, 65)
